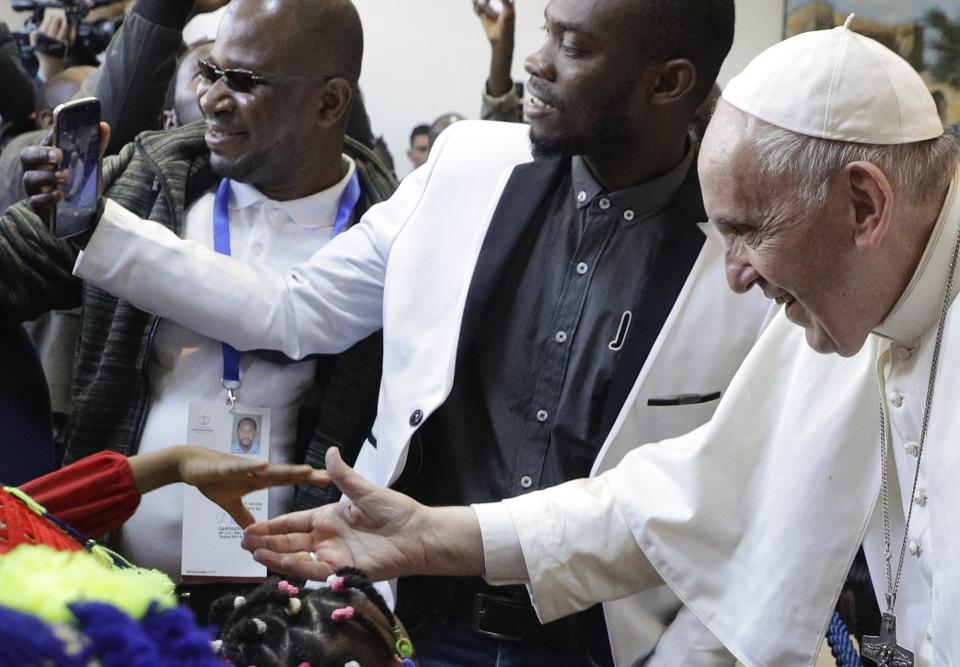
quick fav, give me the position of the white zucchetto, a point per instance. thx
(837, 84)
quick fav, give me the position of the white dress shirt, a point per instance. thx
(186, 367)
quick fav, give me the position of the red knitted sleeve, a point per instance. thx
(94, 495)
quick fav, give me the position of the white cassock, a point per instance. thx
(754, 518)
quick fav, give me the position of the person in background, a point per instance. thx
(442, 122)
(419, 149)
(17, 89)
(500, 98)
(183, 108)
(360, 128)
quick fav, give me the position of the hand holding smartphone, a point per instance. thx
(77, 134)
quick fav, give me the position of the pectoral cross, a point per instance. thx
(884, 649)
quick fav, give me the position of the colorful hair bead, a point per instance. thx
(294, 606)
(342, 614)
(402, 646)
(288, 588)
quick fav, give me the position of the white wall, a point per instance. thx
(10, 17)
(427, 57)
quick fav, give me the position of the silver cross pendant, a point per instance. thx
(884, 650)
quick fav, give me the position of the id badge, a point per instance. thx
(211, 548)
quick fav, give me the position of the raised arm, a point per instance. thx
(323, 305)
(139, 64)
(19, 94)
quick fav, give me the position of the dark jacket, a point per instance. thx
(157, 177)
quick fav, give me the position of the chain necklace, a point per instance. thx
(883, 649)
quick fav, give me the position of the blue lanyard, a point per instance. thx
(221, 243)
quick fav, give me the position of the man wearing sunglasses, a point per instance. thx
(276, 92)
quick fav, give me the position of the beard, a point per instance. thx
(608, 136)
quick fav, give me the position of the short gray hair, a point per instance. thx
(918, 169)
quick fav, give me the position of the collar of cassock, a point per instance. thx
(316, 210)
(919, 306)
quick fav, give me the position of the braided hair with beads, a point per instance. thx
(346, 622)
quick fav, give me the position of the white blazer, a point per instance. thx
(407, 268)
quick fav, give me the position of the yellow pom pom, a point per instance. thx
(42, 581)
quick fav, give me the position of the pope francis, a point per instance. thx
(828, 174)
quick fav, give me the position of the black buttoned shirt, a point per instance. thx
(526, 409)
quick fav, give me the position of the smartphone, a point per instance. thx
(76, 131)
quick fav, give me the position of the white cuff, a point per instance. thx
(502, 554)
(100, 254)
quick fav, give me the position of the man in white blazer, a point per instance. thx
(524, 302)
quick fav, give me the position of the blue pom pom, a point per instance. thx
(118, 640)
(180, 641)
(27, 640)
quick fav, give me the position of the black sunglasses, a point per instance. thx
(243, 80)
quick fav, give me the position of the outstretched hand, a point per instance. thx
(377, 530)
(225, 479)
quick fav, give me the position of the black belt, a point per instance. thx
(507, 617)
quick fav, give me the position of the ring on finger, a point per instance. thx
(313, 556)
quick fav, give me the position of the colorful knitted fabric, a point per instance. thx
(23, 521)
(66, 602)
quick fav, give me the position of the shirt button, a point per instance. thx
(896, 399)
(581, 196)
(416, 417)
(542, 415)
(913, 448)
(902, 353)
(928, 635)
(526, 481)
(561, 337)
(914, 548)
(629, 215)
(257, 249)
(604, 203)
(582, 268)
(920, 498)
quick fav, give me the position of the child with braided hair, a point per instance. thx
(346, 623)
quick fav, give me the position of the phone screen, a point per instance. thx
(78, 136)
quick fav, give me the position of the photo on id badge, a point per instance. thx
(246, 434)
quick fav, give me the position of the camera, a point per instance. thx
(92, 37)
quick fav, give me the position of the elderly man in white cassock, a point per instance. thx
(830, 177)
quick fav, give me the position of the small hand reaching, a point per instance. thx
(223, 478)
